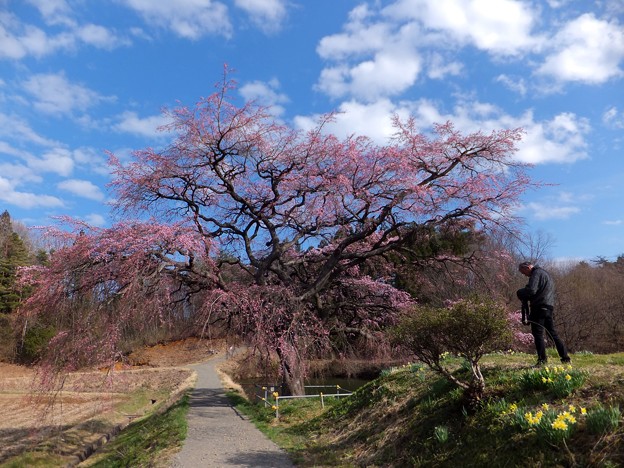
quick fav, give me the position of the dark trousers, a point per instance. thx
(541, 320)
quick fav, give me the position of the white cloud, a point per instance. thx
(92, 159)
(587, 50)
(82, 188)
(19, 174)
(542, 211)
(266, 94)
(9, 195)
(612, 117)
(354, 118)
(616, 222)
(518, 85)
(95, 219)
(19, 39)
(502, 27)
(55, 94)
(16, 128)
(53, 11)
(130, 122)
(557, 3)
(190, 19)
(380, 53)
(371, 60)
(439, 67)
(562, 139)
(58, 161)
(267, 15)
(358, 39)
(613, 7)
(99, 36)
(387, 73)
(558, 140)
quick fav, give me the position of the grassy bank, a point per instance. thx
(145, 443)
(556, 416)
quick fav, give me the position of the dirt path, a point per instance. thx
(218, 436)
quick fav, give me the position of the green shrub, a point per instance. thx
(7, 338)
(468, 329)
(35, 341)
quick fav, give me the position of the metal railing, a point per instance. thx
(271, 397)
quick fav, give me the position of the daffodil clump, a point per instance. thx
(562, 381)
(548, 423)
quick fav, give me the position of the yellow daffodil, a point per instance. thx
(544, 380)
(545, 406)
(533, 420)
(572, 408)
(583, 410)
(568, 377)
(559, 424)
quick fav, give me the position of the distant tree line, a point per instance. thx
(590, 305)
(17, 249)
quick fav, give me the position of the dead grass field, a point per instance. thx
(91, 404)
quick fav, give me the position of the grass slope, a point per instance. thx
(148, 442)
(412, 417)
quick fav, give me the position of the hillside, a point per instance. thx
(411, 417)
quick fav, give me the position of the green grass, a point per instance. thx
(412, 417)
(146, 442)
(35, 460)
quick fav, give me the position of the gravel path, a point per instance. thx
(219, 436)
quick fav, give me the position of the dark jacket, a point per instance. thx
(541, 289)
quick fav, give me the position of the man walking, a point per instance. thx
(540, 292)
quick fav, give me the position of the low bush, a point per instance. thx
(35, 341)
(7, 338)
(466, 329)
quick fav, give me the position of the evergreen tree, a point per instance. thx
(13, 254)
(6, 229)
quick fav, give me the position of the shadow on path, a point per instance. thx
(208, 397)
(219, 436)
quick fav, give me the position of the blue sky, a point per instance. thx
(79, 78)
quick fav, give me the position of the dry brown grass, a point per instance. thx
(92, 404)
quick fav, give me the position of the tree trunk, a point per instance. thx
(292, 367)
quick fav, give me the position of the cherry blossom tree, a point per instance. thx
(298, 216)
